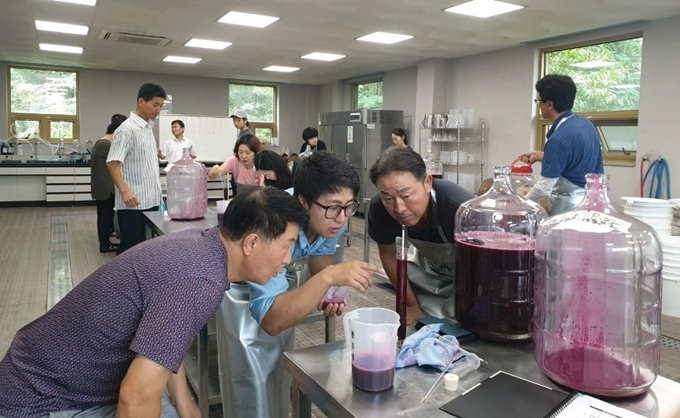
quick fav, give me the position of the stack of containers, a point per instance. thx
(656, 213)
(675, 223)
(670, 295)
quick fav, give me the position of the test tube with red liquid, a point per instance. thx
(402, 283)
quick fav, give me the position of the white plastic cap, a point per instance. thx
(451, 382)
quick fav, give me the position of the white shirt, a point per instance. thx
(173, 149)
(134, 146)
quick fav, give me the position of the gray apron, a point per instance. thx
(565, 196)
(430, 273)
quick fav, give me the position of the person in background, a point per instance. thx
(399, 138)
(408, 196)
(241, 165)
(133, 165)
(310, 137)
(102, 188)
(571, 151)
(174, 148)
(273, 170)
(240, 119)
(327, 186)
(116, 341)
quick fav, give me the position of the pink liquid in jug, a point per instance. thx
(373, 373)
(494, 291)
(437, 175)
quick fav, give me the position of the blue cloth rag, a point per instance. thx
(427, 348)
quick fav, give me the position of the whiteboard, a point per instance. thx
(214, 137)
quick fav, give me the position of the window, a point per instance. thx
(259, 102)
(607, 76)
(367, 95)
(44, 103)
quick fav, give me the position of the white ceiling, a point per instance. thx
(305, 26)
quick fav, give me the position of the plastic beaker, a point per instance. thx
(371, 334)
(335, 294)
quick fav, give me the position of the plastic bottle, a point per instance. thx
(598, 305)
(495, 241)
(187, 188)
(521, 178)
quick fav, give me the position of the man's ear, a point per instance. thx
(303, 202)
(428, 183)
(250, 243)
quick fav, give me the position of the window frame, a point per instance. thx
(610, 157)
(263, 125)
(44, 119)
(355, 90)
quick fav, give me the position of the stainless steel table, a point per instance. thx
(323, 375)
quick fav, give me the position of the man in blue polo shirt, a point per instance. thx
(572, 150)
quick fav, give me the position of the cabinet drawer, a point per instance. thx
(8, 171)
(62, 188)
(32, 171)
(59, 180)
(60, 170)
(60, 198)
(83, 171)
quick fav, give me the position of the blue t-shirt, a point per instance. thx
(573, 150)
(262, 296)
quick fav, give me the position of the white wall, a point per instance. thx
(3, 103)
(399, 93)
(297, 110)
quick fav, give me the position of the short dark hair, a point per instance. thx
(177, 121)
(116, 120)
(560, 89)
(402, 133)
(324, 172)
(265, 211)
(310, 133)
(269, 160)
(398, 159)
(148, 91)
(251, 141)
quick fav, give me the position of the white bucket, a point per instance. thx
(670, 298)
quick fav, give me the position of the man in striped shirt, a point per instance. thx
(133, 166)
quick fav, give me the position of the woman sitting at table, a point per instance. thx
(241, 165)
(273, 170)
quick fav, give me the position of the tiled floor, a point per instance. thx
(24, 260)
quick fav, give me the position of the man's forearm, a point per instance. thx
(541, 189)
(178, 389)
(117, 175)
(292, 307)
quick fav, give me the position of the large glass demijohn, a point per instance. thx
(187, 188)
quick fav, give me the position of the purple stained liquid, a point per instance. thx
(373, 373)
(335, 299)
(437, 175)
(402, 285)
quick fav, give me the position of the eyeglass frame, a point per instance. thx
(354, 203)
(537, 101)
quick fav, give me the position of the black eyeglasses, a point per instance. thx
(333, 211)
(538, 101)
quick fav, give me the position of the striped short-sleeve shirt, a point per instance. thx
(135, 147)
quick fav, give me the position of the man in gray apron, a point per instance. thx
(408, 196)
(572, 150)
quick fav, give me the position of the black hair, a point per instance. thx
(265, 211)
(310, 133)
(324, 172)
(559, 89)
(116, 120)
(269, 160)
(251, 141)
(148, 91)
(177, 121)
(402, 133)
(398, 159)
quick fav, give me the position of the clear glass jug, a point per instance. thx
(598, 309)
(187, 188)
(495, 241)
(521, 178)
(433, 167)
(371, 334)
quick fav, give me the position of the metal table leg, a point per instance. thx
(302, 406)
(330, 329)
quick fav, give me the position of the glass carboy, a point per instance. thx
(495, 242)
(187, 188)
(598, 309)
(433, 167)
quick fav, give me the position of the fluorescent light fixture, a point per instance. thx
(204, 43)
(83, 2)
(593, 64)
(384, 38)
(625, 86)
(281, 69)
(322, 56)
(484, 8)
(61, 48)
(183, 60)
(61, 27)
(248, 19)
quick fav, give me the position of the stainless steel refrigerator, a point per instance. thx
(360, 136)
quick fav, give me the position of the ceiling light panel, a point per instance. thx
(384, 38)
(322, 56)
(281, 69)
(484, 8)
(204, 43)
(61, 27)
(61, 48)
(83, 2)
(248, 19)
(183, 60)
